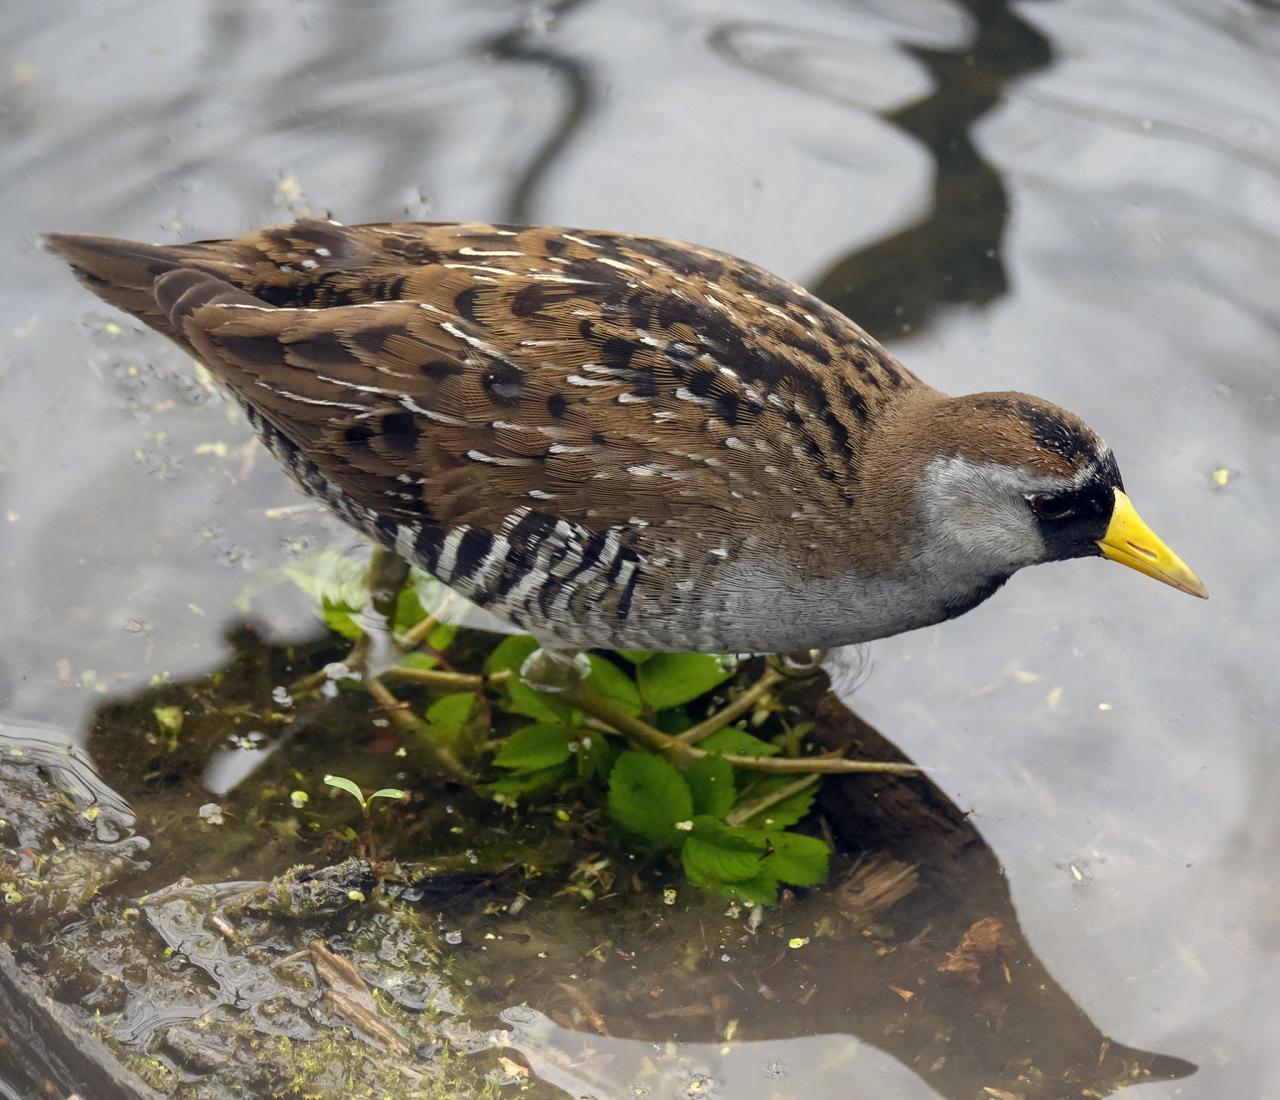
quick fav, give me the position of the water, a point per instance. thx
(1077, 199)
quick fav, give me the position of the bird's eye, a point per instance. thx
(1049, 506)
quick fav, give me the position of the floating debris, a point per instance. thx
(211, 814)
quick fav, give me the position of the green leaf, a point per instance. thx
(798, 859)
(450, 713)
(761, 890)
(508, 656)
(527, 782)
(536, 746)
(336, 584)
(533, 704)
(429, 592)
(738, 742)
(510, 653)
(670, 679)
(609, 682)
(387, 792)
(711, 784)
(635, 656)
(330, 576)
(596, 756)
(441, 636)
(647, 796)
(345, 784)
(340, 618)
(716, 853)
(409, 611)
(418, 659)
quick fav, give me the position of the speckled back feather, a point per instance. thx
(570, 425)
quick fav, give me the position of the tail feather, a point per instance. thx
(121, 273)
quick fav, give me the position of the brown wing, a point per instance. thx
(463, 372)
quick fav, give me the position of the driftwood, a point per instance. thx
(47, 1050)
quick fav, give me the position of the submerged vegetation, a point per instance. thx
(441, 882)
(687, 758)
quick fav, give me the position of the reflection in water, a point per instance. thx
(952, 256)
(519, 44)
(914, 950)
(368, 103)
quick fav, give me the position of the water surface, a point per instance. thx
(1069, 197)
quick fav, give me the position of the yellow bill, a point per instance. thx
(1131, 542)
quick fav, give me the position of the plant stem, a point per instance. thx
(681, 752)
(458, 681)
(408, 722)
(586, 700)
(734, 710)
(420, 630)
(832, 764)
(745, 813)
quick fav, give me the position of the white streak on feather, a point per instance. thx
(469, 251)
(357, 386)
(431, 414)
(449, 552)
(406, 536)
(486, 269)
(497, 460)
(310, 400)
(617, 264)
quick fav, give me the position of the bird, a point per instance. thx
(623, 441)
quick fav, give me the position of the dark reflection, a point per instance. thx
(954, 254)
(922, 957)
(914, 948)
(520, 44)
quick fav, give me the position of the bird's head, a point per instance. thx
(1017, 481)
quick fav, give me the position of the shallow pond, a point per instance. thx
(1071, 197)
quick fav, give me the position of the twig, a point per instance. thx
(745, 813)
(821, 765)
(458, 681)
(411, 638)
(585, 699)
(680, 752)
(728, 714)
(409, 722)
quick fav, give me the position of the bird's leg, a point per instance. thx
(384, 580)
(553, 670)
(375, 652)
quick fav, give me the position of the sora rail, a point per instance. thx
(624, 441)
